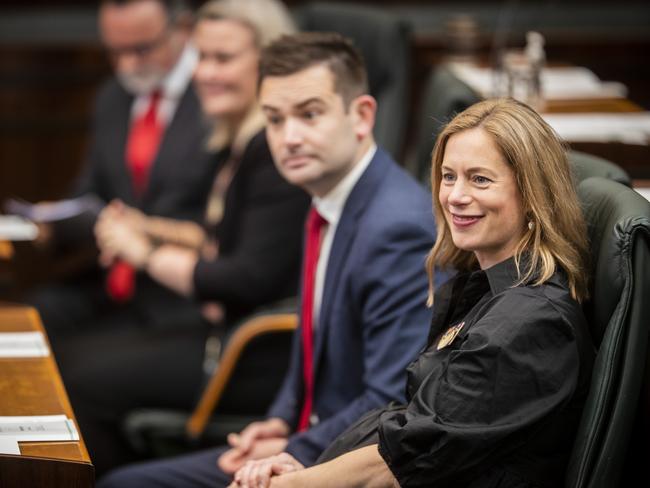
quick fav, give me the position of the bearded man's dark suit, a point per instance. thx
(78, 314)
(179, 181)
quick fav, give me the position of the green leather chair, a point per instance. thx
(618, 313)
(385, 43)
(587, 165)
(443, 97)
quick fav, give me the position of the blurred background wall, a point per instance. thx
(51, 63)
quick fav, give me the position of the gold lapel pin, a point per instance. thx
(449, 336)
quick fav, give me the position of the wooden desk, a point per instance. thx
(633, 158)
(33, 386)
(592, 105)
(6, 250)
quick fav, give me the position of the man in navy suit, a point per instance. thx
(368, 313)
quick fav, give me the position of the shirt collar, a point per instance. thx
(504, 274)
(176, 81)
(330, 206)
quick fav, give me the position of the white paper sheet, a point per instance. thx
(628, 128)
(565, 83)
(14, 228)
(644, 192)
(23, 345)
(9, 445)
(39, 428)
(54, 211)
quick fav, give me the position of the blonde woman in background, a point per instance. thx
(246, 255)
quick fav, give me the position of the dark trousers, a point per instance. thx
(197, 470)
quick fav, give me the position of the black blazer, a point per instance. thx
(180, 176)
(260, 236)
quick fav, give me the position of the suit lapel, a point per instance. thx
(182, 127)
(353, 210)
(116, 149)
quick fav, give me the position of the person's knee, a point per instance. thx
(133, 476)
(195, 470)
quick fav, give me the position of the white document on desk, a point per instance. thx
(9, 445)
(54, 211)
(558, 83)
(23, 345)
(39, 428)
(628, 128)
(15, 228)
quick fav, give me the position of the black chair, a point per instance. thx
(618, 313)
(384, 42)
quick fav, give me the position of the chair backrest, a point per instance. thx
(618, 313)
(443, 97)
(384, 42)
(587, 165)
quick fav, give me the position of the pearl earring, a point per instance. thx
(531, 225)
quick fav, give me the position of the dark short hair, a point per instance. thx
(174, 8)
(293, 53)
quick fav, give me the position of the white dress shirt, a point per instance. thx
(330, 207)
(173, 88)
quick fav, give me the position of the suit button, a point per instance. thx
(313, 419)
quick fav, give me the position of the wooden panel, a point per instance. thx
(24, 471)
(46, 95)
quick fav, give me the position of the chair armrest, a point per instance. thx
(249, 330)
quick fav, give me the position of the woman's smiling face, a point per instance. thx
(480, 198)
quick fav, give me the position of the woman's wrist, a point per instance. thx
(145, 256)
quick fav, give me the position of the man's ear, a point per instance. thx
(363, 109)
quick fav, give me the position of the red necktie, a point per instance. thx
(142, 145)
(314, 226)
(141, 149)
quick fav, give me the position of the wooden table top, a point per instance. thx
(6, 250)
(591, 105)
(33, 386)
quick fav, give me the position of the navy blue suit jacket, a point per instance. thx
(373, 319)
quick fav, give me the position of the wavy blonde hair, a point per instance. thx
(557, 236)
(267, 20)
